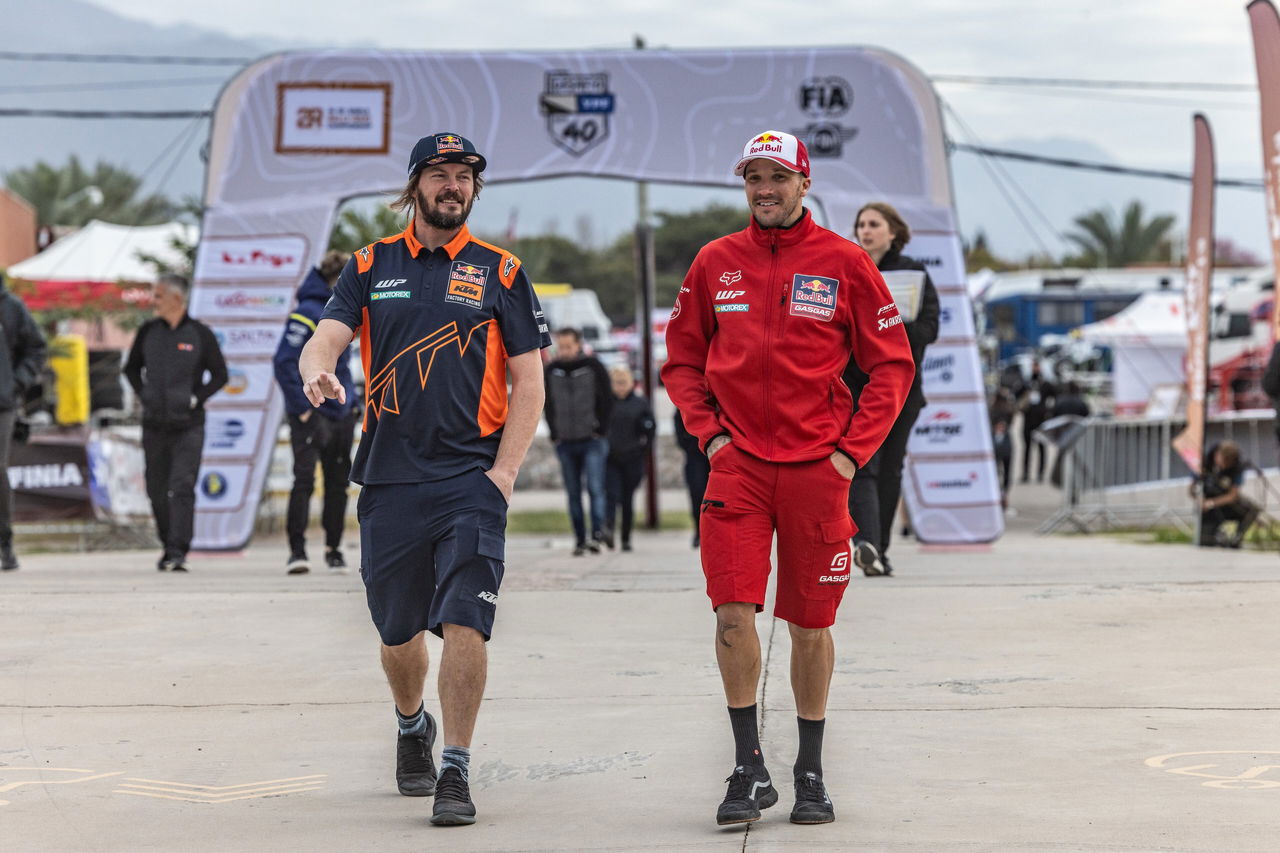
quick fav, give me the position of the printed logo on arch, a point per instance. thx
(814, 296)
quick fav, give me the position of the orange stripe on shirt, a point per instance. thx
(492, 413)
(365, 349)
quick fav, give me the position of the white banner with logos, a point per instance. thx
(248, 383)
(950, 429)
(232, 433)
(297, 133)
(250, 258)
(223, 487)
(248, 340)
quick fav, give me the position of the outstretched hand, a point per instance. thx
(324, 386)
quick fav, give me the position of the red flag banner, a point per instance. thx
(1190, 442)
(1266, 53)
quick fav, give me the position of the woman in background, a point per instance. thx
(631, 429)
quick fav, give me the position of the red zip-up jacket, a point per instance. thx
(763, 328)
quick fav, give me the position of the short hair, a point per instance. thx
(1230, 453)
(331, 265)
(622, 370)
(176, 281)
(570, 330)
(408, 196)
(898, 225)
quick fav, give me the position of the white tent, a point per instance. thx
(101, 251)
(1148, 341)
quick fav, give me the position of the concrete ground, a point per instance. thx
(1061, 693)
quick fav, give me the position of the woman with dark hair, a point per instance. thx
(874, 493)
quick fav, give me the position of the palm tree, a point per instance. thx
(1104, 242)
(73, 195)
(355, 228)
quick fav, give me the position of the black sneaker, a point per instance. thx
(415, 770)
(298, 563)
(606, 538)
(812, 803)
(749, 791)
(8, 560)
(453, 806)
(593, 546)
(179, 565)
(885, 565)
(579, 549)
(164, 564)
(867, 558)
(335, 561)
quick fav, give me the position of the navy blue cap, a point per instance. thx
(445, 148)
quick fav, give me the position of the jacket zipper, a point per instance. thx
(768, 346)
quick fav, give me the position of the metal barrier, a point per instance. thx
(1125, 472)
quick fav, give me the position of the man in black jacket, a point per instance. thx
(166, 367)
(579, 401)
(23, 357)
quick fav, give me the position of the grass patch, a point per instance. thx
(557, 521)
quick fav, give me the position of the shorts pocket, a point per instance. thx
(831, 559)
(491, 543)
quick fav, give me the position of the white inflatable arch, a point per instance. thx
(295, 135)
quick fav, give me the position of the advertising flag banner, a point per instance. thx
(1190, 442)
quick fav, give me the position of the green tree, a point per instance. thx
(358, 225)
(73, 195)
(1104, 242)
(679, 237)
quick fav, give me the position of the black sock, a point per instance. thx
(809, 760)
(746, 735)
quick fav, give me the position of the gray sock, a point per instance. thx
(456, 756)
(415, 725)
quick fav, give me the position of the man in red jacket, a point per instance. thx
(761, 332)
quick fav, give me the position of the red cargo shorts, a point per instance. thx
(807, 503)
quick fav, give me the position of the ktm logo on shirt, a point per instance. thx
(462, 288)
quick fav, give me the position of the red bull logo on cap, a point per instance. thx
(448, 143)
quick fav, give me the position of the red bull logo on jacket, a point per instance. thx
(814, 296)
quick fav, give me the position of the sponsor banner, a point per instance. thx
(251, 258)
(951, 369)
(958, 428)
(333, 118)
(221, 486)
(231, 432)
(248, 382)
(1190, 442)
(261, 302)
(940, 254)
(954, 483)
(118, 468)
(955, 315)
(1265, 25)
(50, 480)
(254, 340)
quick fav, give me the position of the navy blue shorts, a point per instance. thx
(432, 553)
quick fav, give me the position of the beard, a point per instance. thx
(444, 221)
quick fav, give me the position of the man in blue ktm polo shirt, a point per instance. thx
(442, 318)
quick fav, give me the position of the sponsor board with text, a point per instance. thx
(952, 428)
(250, 258)
(248, 382)
(231, 432)
(954, 483)
(333, 118)
(221, 485)
(248, 339)
(951, 369)
(261, 302)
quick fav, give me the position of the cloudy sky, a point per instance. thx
(1145, 40)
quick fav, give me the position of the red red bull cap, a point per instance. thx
(782, 148)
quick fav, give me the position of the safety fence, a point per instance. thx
(1125, 473)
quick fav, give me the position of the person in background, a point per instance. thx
(1070, 401)
(167, 366)
(873, 497)
(323, 434)
(1271, 383)
(631, 431)
(23, 358)
(696, 472)
(1220, 499)
(578, 405)
(1035, 396)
